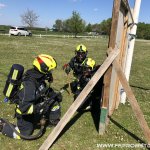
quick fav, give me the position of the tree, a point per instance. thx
(105, 26)
(88, 28)
(96, 28)
(58, 26)
(143, 31)
(66, 25)
(75, 23)
(29, 18)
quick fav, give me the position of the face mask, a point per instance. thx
(80, 56)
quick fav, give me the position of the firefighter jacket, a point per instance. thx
(33, 86)
(76, 67)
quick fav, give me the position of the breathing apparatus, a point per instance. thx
(13, 82)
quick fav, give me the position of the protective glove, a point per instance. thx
(58, 97)
(49, 77)
(41, 108)
(66, 68)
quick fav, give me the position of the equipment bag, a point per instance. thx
(13, 81)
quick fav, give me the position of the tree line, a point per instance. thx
(76, 25)
(143, 31)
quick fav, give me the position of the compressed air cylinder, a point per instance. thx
(13, 80)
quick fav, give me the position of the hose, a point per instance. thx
(30, 137)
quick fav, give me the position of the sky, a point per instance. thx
(92, 11)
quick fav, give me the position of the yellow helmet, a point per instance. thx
(89, 63)
(81, 48)
(44, 63)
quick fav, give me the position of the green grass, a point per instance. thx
(82, 134)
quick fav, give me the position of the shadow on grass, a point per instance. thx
(141, 88)
(95, 117)
(128, 132)
(69, 124)
(74, 119)
(95, 111)
(96, 103)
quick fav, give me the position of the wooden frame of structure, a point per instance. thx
(111, 60)
(114, 76)
(112, 68)
(118, 38)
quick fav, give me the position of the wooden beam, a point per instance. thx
(134, 104)
(104, 106)
(114, 24)
(114, 95)
(121, 57)
(75, 105)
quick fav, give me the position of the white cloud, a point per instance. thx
(2, 5)
(95, 9)
(0, 14)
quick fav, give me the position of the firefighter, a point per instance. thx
(75, 64)
(28, 99)
(88, 69)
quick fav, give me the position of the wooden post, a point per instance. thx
(132, 42)
(123, 45)
(75, 105)
(107, 76)
(134, 104)
(104, 107)
(114, 95)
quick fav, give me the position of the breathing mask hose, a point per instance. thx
(31, 137)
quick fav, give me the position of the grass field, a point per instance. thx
(81, 132)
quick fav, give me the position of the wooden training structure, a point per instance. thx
(114, 78)
(118, 34)
(122, 21)
(111, 59)
(75, 105)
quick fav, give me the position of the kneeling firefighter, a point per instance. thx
(88, 70)
(75, 64)
(31, 96)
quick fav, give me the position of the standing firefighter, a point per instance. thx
(75, 64)
(29, 99)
